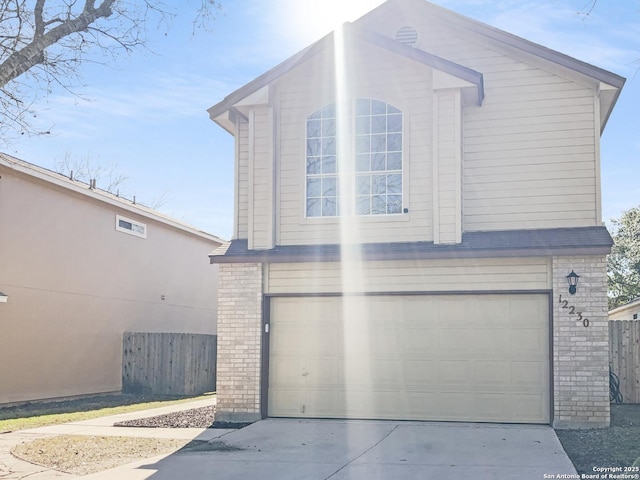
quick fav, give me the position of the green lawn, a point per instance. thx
(40, 414)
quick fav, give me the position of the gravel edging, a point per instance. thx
(202, 417)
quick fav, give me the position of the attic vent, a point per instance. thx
(407, 36)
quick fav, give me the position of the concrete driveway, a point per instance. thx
(285, 449)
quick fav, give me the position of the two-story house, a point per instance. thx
(412, 193)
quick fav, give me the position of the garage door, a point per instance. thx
(415, 357)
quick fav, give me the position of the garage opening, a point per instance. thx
(481, 357)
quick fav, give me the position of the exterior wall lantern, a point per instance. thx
(572, 278)
(3, 297)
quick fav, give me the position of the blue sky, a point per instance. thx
(147, 112)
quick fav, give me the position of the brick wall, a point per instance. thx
(581, 354)
(239, 332)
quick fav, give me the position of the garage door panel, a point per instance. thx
(455, 372)
(286, 402)
(420, 341)
(420, 311)
(528, 340)
(286, 370)
(431, 357)
(529, 373)
(492, 372)
(456, 340)
(528, 407)
(387, 373)
(421, 372)
(287, 340)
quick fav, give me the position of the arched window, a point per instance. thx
(377, 166)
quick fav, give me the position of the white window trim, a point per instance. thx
(400, 216)
(136, 232)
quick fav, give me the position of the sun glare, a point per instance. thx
(310, 20)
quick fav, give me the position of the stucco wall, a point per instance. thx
(75, 284)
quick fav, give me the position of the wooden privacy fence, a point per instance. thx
(624, 357)
(168, 363)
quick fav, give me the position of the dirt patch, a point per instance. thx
(210, 446)
(83, 455)
(616, 446)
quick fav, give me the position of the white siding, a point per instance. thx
(262, 184)
(483, 274)
(243, 179)
(533, 139)
(447, 168)
(312, 86)
(530, 149)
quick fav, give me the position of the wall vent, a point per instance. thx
(407, 36)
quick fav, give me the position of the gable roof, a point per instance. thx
(102, 196)
(351, 31)
(224, 112)
(609, 96)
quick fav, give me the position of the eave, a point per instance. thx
(508, 243)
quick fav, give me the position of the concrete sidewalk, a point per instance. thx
(288, 449)
(12, 468)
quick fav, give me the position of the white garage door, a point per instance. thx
(414, 357)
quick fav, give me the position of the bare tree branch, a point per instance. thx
(42, 43)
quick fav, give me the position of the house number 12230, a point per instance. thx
(572, 311)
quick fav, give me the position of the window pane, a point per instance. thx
(394, 161)
(378, 108)
(329, 146)
(363, 106)
(363, 184)
(315, 115)
(394, 183)
(329, 187)
(379, 124)
(329, 128)
(313, 187)
(313, 128)
(378, 143)
(363, 205)
(329, 207)
(363, 162)
(394, 204)
(313, 147)
(378, 162)
(363, 144)
(394, 142)
(363, 125)
(392, 109)
(329, 111)
(313, 207)
(394, 123)
(379, 183)
(329, 164)
(313, 165)
(378, 205)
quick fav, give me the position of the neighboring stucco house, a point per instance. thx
(78, 267)
(628, 311)
(411, 193)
